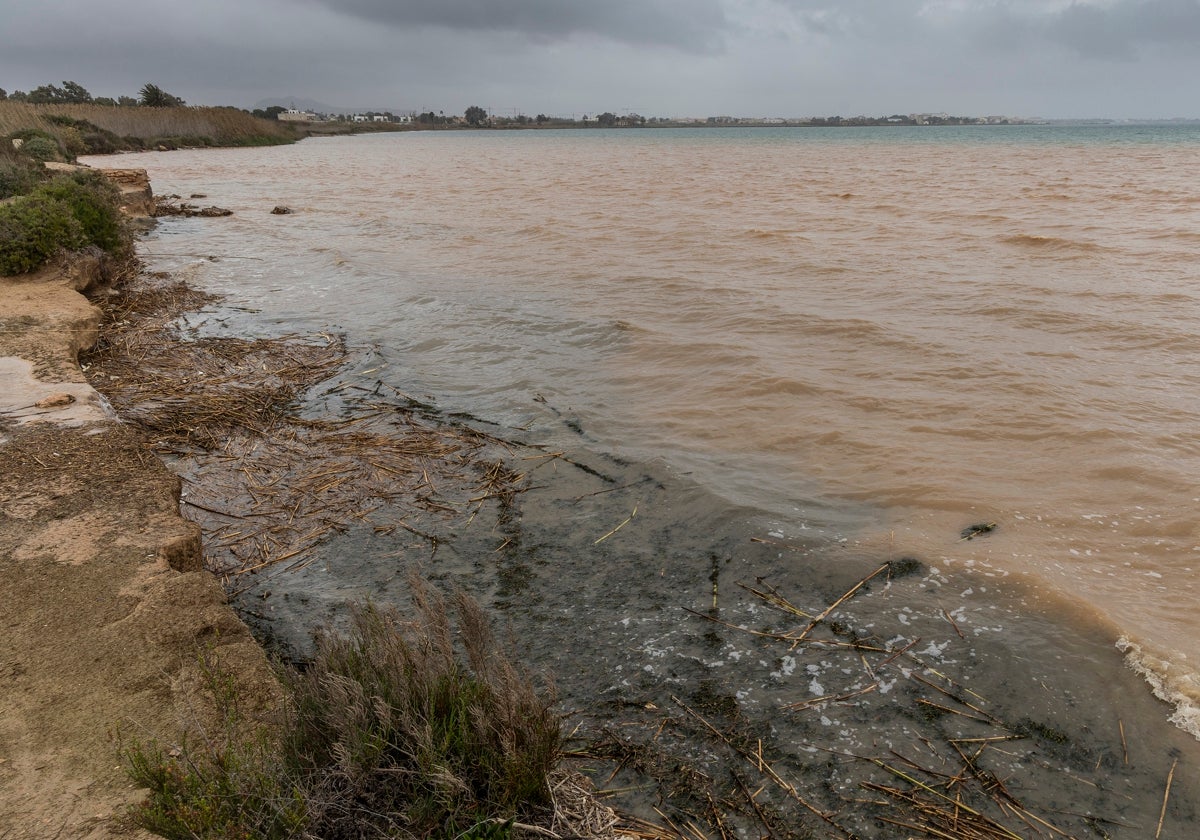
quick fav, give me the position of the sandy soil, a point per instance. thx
(105, 605)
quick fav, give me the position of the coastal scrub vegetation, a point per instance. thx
(70, 212)
(396, 728)
(19, 173)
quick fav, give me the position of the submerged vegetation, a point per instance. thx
(395, 729)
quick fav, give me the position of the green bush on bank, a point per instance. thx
(70, 212)
(38, 144)
(393, 731)
(82, 137)
(43, 149)
(18, 173)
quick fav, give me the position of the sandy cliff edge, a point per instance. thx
(106, 606)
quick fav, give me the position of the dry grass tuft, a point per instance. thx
(418, 727)
(397, 717)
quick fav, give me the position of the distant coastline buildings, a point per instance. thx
(484, 118)
(298, 116)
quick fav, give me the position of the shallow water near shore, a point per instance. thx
(850, 345)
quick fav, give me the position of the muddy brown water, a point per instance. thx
(640, 596)
(780, 337)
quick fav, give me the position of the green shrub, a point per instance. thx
(228, 793)
(94, 201)
(42, 148)
(40, 145)
(101, 143)
(18, 173)
(83, 137)
(71, 141)
(32, 231)
(27, 134)
(393, 731)
(66, 213)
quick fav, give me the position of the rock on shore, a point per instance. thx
(106, 608)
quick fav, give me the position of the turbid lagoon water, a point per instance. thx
(846, 345)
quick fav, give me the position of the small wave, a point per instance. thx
(537, 231)
(762, 234)
(1051, 243)
(776, 386)
(1187, 236)
(1170, 683)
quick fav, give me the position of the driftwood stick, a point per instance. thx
(849, 594)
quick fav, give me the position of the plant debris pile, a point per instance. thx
(266, 484)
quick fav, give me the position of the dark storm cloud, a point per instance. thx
(1096, 29)
(1120, 29)
(695, 25)
(1129, 58)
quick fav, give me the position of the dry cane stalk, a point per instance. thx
(1166, 794)
(849, 594)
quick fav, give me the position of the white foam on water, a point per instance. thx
(1171, 681)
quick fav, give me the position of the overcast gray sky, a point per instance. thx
(1050, 58)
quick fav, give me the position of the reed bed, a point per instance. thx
(223, 126)
(266, 484)
(413, 724)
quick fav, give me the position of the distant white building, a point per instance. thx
(292, 115)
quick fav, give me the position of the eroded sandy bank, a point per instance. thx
(105, 604)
